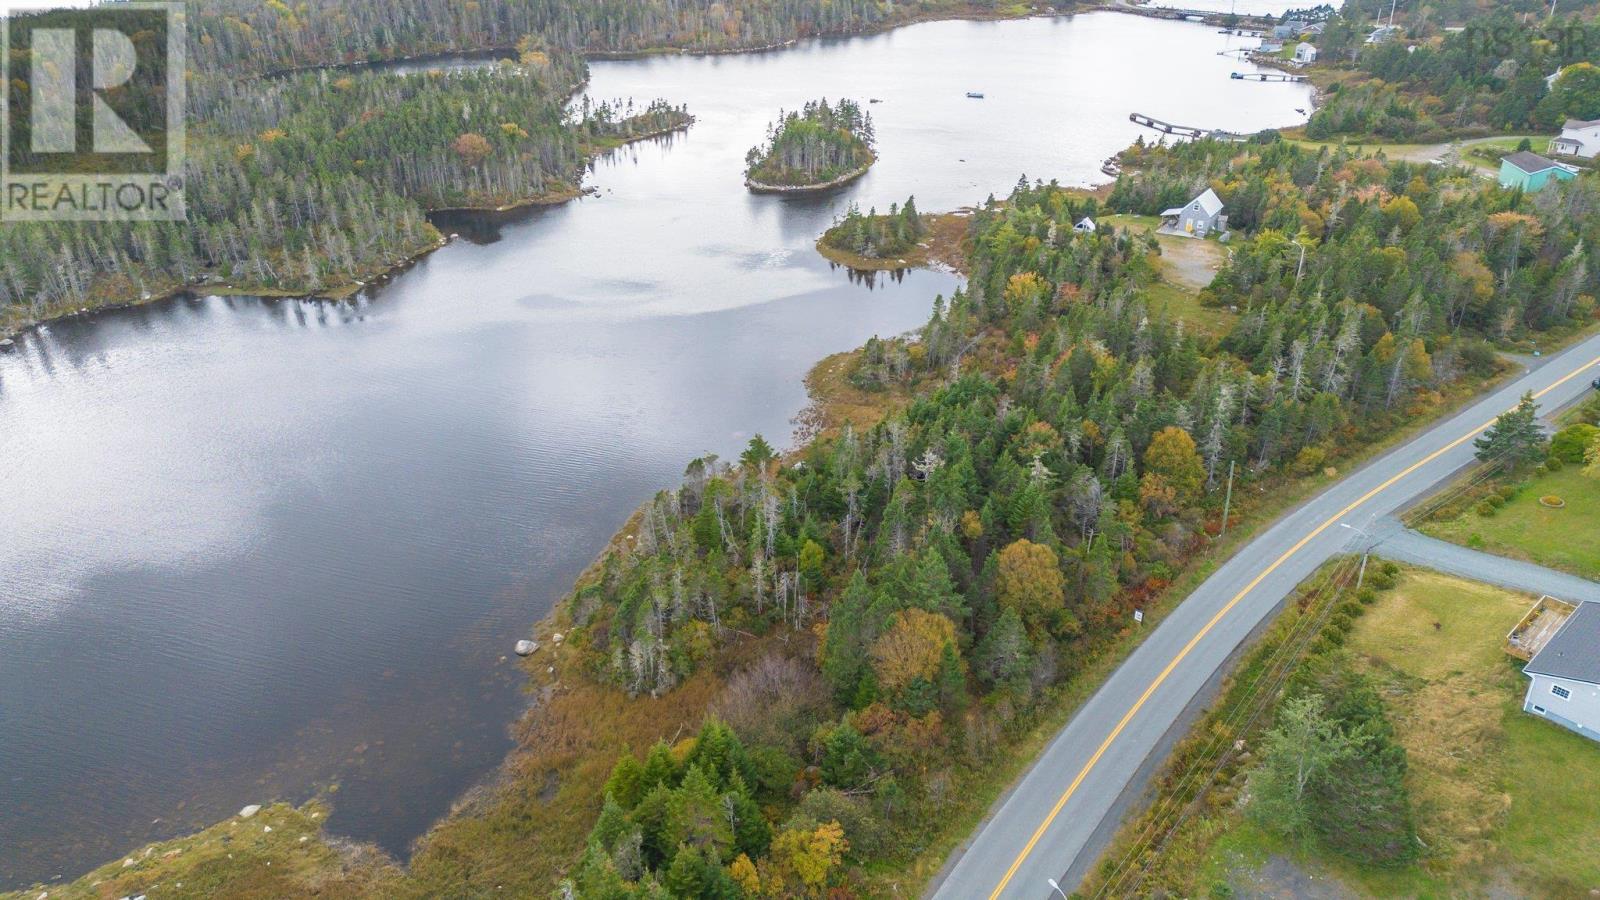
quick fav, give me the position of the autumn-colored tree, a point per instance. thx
(745, 875)
(911, 648)
(1171, 455)
(473, 148)
(1028, 579)
(1401, 212)
(811, 557)
(804, 861)
(1024, 290)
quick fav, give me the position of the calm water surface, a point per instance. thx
(250, 549)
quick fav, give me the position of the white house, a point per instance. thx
(1581, 139)
(1383, 34)
(1566, 675)
(1198, 218)
(1305, 53)
(1085, 226)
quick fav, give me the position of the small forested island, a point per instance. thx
(819, 147)
(875, 238)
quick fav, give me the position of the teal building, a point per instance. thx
(1531, 172)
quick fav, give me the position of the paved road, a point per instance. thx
(1057, 818)
(1393, 541)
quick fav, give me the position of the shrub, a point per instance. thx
(1309, 460)
(1486, 509)
(1367, 596)
(1569, 443)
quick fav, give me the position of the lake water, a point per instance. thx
(253, 548)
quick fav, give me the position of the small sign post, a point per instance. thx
(1138, 616)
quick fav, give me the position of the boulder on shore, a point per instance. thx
(526, 647)
(249, 811)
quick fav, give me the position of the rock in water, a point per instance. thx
(249, 811)
(526, 647)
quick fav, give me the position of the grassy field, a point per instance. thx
(1180, 303)
(1505, 803)
(1567, 539)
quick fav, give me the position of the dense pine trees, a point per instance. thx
(1062, 458)
(878, 237)
(815, 145)
(1489, 75)
(310, 182)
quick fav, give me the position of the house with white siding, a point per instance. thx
(1578, 138)
(1565, 673)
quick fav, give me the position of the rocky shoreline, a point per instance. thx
(757, 187)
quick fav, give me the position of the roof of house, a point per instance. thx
(1209, 202)
(1579, 123)
(1305, 46)
(1529, 162)
(1574, 653)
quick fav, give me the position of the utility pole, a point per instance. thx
(1227, 501)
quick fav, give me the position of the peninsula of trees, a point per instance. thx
(871, 240)
(819, 147)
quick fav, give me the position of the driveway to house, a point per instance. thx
(1054, 822)
(1391, 540)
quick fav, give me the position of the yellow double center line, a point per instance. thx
(1201, 634)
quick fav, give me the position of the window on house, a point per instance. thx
(1560, 691)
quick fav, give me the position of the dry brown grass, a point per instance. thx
(519, 836)
(835, 402)
(1444, 687)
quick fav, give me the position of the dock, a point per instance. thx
(1269, 76)
(1187, 131)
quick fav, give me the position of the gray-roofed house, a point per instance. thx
(1530, 172)
(1566, 675)
(1197, 218)
(1578, 138)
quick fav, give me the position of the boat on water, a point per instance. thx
(976, 95)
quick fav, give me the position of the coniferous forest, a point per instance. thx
(938, 576)
(878, 237)
(1486, 76)
(818, 144)
(861, 627)
(307, 179)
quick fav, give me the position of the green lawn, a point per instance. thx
(1500, 146)
(1506, 804)
(1180, 303)
(1566, 539)
(1135, 223)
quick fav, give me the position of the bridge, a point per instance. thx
(1269, 76)
(1187, 131)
